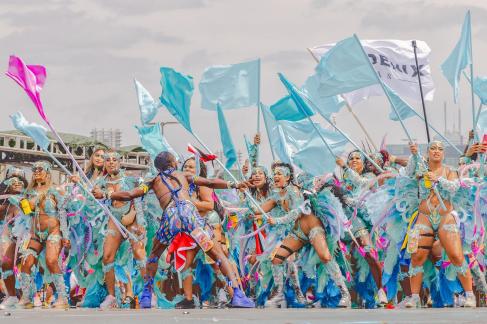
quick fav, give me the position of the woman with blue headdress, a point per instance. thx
(49, 233)
(286, 204)
(14, 184)
(356, 180)
(438, 185)
(130, 215)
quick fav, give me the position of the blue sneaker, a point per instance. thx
(239, 300)
(146, 298)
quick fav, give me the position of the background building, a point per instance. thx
(110, 137)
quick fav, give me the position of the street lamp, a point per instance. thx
(166, 123)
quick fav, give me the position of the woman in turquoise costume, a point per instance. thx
(437, 187)
(14, 184)
(316, 235)
(285, 203)
(49, 232)
(356, 180)
(130, 215)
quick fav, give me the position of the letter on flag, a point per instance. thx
(31, 78)
(394, 62)
(460, 57)
(148, 106)
(37, 132)
(232, 86)
(228, 148)
(177, 90)
(153, 141)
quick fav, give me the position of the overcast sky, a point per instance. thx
(93, 49)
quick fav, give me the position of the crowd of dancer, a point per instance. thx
(382, 231)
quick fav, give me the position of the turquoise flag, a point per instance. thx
(460, 57)
(307, 149)
(480, 88)
(228, 148)
(404, 110)
(482, 123)
(148, 106)
(301, 107)
(177, 90)
(232, 86)
(33, 130)
(325, 106)
(153, 141)
(286, 109)
(275, 135)
(344, 68)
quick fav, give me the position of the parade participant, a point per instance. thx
(128, 214)
(14, 184)
(355, 181)
(94, 167)
(180, 216)
(49, 232)
(435, 222)
(286, 204)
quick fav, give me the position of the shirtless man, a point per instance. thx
(181, 216)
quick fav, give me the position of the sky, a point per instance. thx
(93, 49)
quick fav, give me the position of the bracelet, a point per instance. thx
(109, 195)
(231, 185)
(392, 158)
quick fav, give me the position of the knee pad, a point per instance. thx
(462, 269)
(140, 263)
(108, 267)
(6, 273)
(315, 232)
(414, 270)
(186, 273)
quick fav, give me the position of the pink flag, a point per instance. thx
(31, 78)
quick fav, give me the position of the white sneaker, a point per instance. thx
(382, 297)
(109, 302)
(413, 302)
(470, 301)
(9, 302)
(403, 302)
(37, 300)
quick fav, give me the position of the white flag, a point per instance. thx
(394, 62)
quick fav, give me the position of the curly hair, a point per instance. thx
(285, 165)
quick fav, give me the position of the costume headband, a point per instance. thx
(46, 166)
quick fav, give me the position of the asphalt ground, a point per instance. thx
(200, 316)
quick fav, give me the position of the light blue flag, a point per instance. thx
(460, 57)
(232, 86)
(153, 141)
(275, 135)
(307, 149)
(404, 110)
(286, 109)
(480, 88)
(177, 90)
(301, 107)
(35, 131)
(324, 105)
(344, 68)
(482, 123)
(228, 148)
(148, 106)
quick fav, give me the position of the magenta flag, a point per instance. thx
(31, 78)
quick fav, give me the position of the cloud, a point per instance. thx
(289, 59)
(140, 7)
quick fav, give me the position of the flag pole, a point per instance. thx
(349, 108)
(418, 72)
(258, 101)
(268, 136)
(435, 189)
